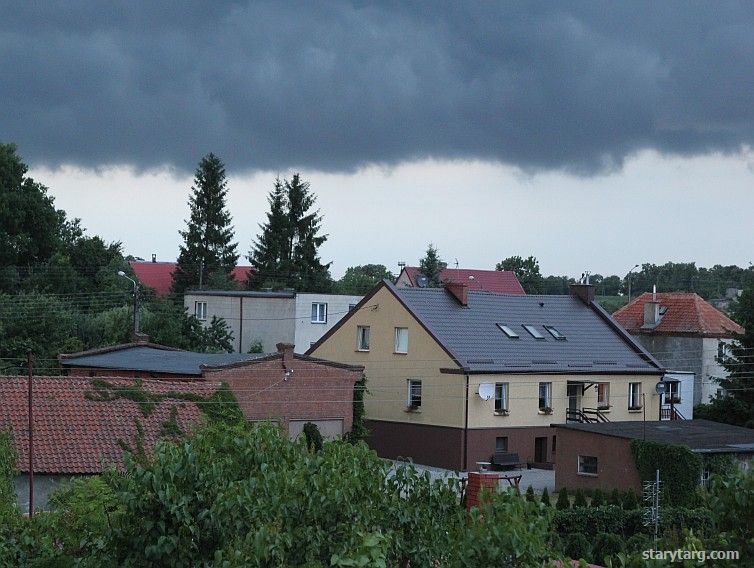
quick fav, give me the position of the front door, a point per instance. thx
(540, 449)
(573, 392)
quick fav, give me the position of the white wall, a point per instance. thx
(308, 332)
(686, 386)
(711, 369)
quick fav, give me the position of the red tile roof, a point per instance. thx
(76, 435)
(685, 314)
(500, 281)
(159, 275)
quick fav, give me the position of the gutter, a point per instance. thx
(466, 428)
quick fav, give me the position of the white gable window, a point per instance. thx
(401, 340)
(362, 338)
(200, 310)
(319, 312)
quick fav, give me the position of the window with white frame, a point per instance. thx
(319, 312)
(634, 396)
(501, 397)
(588, 465)
(673, 392)
(603, 395)
(545, 396)
(362, 338)
(401, 340)
(200, 310)
(414, 400)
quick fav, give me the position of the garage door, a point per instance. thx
(330, 429)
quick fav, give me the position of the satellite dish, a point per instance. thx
(422, 281)
(486, 391)
(660, 387)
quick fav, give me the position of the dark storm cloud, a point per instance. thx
(337, 85)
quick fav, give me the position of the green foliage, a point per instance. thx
(680, 469)
(598, 498)
(545, 499)
(7, 474)
(359, 430)
(576, 545)
(432, 266)
(563, 501)
(207, 246)
(732, 506)
(579, 499)
(630, 500)
(607, 545)
(256, 346)
(314, 441)
(686, 277)
(530, 495)
(216, 337)
(358, 280)
(286, 253)
(615, 498)
(527, 272)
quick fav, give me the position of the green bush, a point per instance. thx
(598, 498)
(314, 441)
(680, 469)
(615, 498)
(590, 520)
(732, 508)
(579, 499)
(576, 546)
(530, 495)
(630, 501)
(607, 545)
(545, 499)
(563, 501)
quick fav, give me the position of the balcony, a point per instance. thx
(586, 415)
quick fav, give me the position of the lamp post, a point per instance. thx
(628, 277)
(136, 302)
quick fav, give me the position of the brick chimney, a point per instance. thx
(651, 314)
(459, 291)
(286, 349)
(584, 292)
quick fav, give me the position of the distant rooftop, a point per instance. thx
(681, 313)
(159, 275)
(702, 436)
(243, 293)
(501, 281)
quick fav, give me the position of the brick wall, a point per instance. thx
(312, 390)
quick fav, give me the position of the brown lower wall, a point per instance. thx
(616, 468)
(442, 446)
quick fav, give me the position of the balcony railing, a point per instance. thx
(585, 415)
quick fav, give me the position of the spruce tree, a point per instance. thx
(207, 247)
(579, 499)
(563, 501)
(431, 266)
(546, 498)
(286, 253)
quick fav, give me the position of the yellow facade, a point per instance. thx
(443, 394)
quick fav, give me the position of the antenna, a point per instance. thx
(422, 281)
(486, 391)
(654, 292)
(456, 264)
(401, 265)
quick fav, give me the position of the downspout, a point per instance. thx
(240, 325)
(466, 428)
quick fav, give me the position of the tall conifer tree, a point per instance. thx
(207, 250)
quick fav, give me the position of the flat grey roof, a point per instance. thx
(592, 341)
(152, 360)
(240, 293)
(703, 436)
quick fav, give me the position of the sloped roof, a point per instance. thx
(151, 358)
(74, 434)
(500, 281)
(703, 436)
(159, 275)
(593, 342)
(685, 314)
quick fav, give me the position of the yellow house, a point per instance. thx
(457, 375)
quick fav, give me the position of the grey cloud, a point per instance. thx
(338, 85)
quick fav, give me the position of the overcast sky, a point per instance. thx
(593, 135)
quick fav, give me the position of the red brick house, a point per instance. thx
(289, 388)
(159, 275)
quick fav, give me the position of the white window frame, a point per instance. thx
(501, 398)
(634, 396)
(581, 469)
(200, 310)
(319, 312)
(401, 348)
(362, 337)
(547, 398)
(414, 385)
(604, 402)
(674, 388)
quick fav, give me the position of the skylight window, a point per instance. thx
(555, 333)
(533, 331)
(507, 331)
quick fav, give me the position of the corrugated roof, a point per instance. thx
(500, 281)
(74, 434)
(155, 360)
(698, 435)
(684, 314)
(471, 333)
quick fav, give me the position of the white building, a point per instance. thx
(268, 318)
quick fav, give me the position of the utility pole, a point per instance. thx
(628, 276)
(136, 303)
(31, 439)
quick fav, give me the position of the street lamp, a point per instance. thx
(628, 277)
(136, 302)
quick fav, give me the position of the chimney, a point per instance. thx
(154, 257)
(459, 291)
(286, 349)
(584, 292)
(651, 313)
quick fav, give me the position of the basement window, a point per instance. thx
(533, 331)
(555, 333)
(588, 465)
(507, 331)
